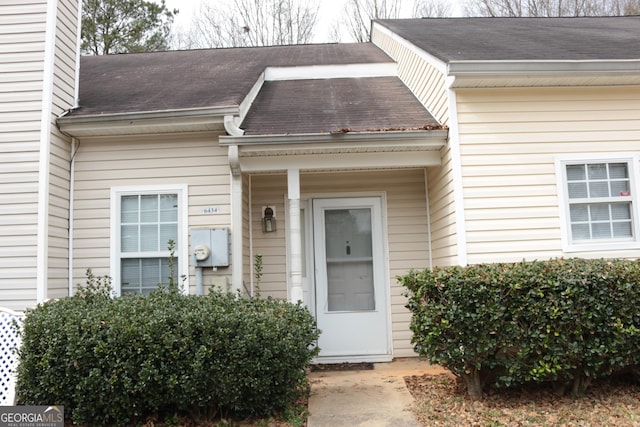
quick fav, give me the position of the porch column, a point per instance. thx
(295, 234)
(236, 220)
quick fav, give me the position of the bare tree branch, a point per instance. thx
(549, 8)
(237, 23)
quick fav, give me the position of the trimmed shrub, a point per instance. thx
(564, 321)
(111, 361)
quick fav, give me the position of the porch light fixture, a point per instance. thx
(268, 220)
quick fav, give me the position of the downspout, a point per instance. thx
(75, 145)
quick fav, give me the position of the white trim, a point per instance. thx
(352, 359)
(539, 67)
(439, 64)
(428, 208)
(456, 171)
(348, 71)
(237, 279)
(182, 190)
(295, 235)
(76, 83)
(308, 162)
(632, 160)
(42, 264)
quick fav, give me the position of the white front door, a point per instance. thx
(351, 279)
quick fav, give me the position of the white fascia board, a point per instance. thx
(418, 137)
(394, 159)
(246, 103)
(439, 64)
(196, 119)
(475, 68)
(313, 72)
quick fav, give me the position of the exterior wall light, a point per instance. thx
(268, 220)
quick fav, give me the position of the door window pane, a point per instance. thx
(348, 242)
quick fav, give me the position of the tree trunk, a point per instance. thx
(474, 382)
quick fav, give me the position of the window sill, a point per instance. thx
(602, 246)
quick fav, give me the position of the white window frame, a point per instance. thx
(182, 246)
(631, 159)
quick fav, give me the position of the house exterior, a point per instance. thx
(341, 166)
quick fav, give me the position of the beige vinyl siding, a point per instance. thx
(428, 84)
(421, 77)
(442, 212)
(509, 139)
(22, 43)
(63, 98)
(191, 159)
(406, 226)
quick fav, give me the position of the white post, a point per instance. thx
(295, 234)
(236, 220)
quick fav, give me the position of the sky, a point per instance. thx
(328, 10)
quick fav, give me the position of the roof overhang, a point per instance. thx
(139, 123)
(543, 73)
(339, 151)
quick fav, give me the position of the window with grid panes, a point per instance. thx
(600, 201)
(148, 222)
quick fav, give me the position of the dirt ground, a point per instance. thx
(441, 400)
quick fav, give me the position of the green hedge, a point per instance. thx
(111, 361)
(564, 321)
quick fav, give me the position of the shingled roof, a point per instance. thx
(222, 78)
(334, 106)
(207, 78)
(544, 39)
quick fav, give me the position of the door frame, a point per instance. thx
(306, 203)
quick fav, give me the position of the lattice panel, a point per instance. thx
(9, 343)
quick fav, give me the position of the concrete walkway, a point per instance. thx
(372, 398)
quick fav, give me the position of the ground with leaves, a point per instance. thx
(441, 400)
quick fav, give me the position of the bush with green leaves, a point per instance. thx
(563, 321)
(111, 361)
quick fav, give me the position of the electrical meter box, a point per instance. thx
(210, 247)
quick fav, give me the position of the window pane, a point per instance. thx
(601, 230)
(597, 171)
(618, 171)
(149, 208)
(168, 207)
(578, 190)
(151, 273)
(129, 238)
(599, 189)
(600, 212)
(149, 238)
(580, 232)
(619, 188)
(621, 210)
(579, 213)
(130, 275)
(576, 173)
(168, 232)
(129, 209)
(622, 229)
